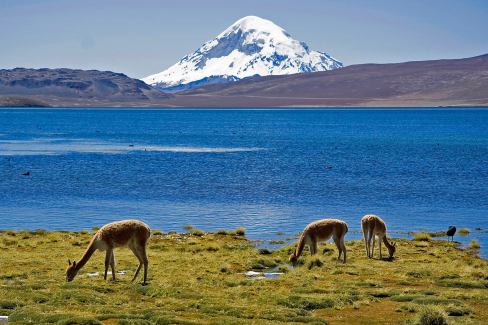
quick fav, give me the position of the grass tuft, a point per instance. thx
(410, 308)
(79, 321)
(265, 251)
(188, 227)
(458, 310)
(422, 236)
(8, 304)
(419, 274)
(314, 262)
(464, 231)
(212, 247)
(276, 242)
(307, 302)
(240, 231)
(197, 232)
(430, 315)
(474, 244)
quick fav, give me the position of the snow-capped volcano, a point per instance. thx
(249, 47)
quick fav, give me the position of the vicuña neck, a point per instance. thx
(301, 245)
(86, 256)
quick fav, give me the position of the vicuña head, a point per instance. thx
(391, 249)
(71, 271)
(321, 230)
(131, 233)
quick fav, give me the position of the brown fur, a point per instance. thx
(372, 226)
(322, 230)
(131, 233)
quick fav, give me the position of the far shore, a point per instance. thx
(264, 108)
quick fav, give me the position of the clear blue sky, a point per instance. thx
(144, 37)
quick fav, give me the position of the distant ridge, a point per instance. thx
(48, 87)
(453, 82)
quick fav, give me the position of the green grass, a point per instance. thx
(432, 316)
(240, 231)
(458, 310)
(276, 242)
(188, 227)
(437, 234)
(422, 236)
(474, 244)
(197, 232)
(199, 279)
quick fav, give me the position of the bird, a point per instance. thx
(26, 174)
(450, 232)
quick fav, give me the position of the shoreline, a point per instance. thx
(275, 241)
(264, 108)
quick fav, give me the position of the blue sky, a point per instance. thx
(144, 37)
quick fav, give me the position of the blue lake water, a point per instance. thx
(265, 170)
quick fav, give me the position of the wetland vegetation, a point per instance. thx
(200, 278)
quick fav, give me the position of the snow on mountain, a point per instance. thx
(249, 47)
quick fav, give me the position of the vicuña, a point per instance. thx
(131, 233)
(321, 230)
(374, 226)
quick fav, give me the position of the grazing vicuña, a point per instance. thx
(131, 233)
(322, 230)
(374, 226)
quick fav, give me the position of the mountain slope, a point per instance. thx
(419, 83)
(57, 87)
(460, 82)
(249, 47)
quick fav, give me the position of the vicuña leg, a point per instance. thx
(370, 238)
(136, 253)
(366, 246)
(108, 257)
(343, 247)
(372, 248)
(380, 239)
(338, 245)
(313, 246)
(112, 265)
(145, 261)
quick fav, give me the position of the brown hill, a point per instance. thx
(458, 82)
(419, 83)
(68, 87)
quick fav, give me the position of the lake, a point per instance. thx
(268, 171)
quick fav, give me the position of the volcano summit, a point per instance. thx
(252, 46)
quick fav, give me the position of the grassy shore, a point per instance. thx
(198, 279)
